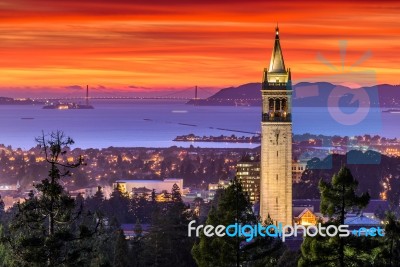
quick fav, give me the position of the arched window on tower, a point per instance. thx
(284, 105)
(278, 105)
(271, 105)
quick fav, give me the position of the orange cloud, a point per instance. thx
(154, 45)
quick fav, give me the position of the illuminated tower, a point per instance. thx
(276, 140)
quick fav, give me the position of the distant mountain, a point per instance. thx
(247, 94)
(307, 94)
(249, 90)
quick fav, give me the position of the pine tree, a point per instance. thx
(136, 245)
(118, 205)
(2, 209)
(153, 196)
(388, 252)
(230, 206)
(167, 243)
(95, 204)
(49, 229)
(176, 193)
(104, 245)
(338, 197)
(99, 195)
(392, 234)
(5, 250)
(137, 229)
(121, 254)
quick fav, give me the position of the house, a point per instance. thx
(306, 217)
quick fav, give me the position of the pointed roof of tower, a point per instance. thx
(277, 63)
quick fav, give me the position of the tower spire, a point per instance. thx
(277, 63)
(277, 31)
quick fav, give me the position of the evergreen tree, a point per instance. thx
(49, 229)
(136, 245)
(167, 243)
(121, 255)
(2, 209)
(153, 196)
(392, 236)
(5, 255)
(176, 193)
(388, 252)
(96, 203)
(137, 229)
(105, 243)
(231, 206)
(99, 195)
(118, 205)
(338, 197)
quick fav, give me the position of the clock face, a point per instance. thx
(274, 136)
(277, 137)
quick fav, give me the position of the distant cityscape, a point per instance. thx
(197, 167)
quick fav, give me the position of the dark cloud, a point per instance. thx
(74, 87)
(138, 87)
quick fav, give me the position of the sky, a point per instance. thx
(49, 46)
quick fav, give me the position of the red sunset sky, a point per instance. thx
(174, 44)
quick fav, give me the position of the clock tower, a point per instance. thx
(276, 140)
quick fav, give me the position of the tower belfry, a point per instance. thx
(276, 140)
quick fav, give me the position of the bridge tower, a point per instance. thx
(87, 95)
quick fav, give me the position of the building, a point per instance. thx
(10, 201)
(132, 231)
(305, 216)
(248, 173)
(360, 221)
(276, 140)
(297, 170)
(213, 187)
(10, 187)
(307, 212)
(222, 184)
(160, 186)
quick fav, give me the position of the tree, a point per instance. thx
(338, 197)
(153, 196)
(2, 209)
(5, 255)
(121, 253)
(118, 205)
(49, 228)
(392, 235)
(388, 251)
(231, 206)
(96, 202)
(104, 246)
(167, 243)
(176, 193)
(136, 244)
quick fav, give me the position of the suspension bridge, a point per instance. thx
(101, 94)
